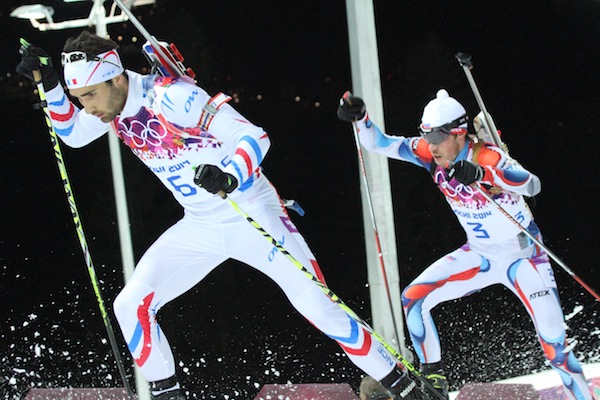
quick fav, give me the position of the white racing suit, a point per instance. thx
(496, 251)
(172, 126)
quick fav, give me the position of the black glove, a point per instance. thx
(466, 172)
(211, 178)
(351, 108)
(34, 58)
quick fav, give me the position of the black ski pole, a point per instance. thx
(466, 63)
(37, 77)
(376, 232)
(538, 243)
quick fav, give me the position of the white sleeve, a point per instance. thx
(373, 139)
(187, 105)
(251, 142)
(74, 127)
(505, 172)
(182, 103)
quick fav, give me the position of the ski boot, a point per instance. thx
(176, 394)
(402, 387)
(434, 373)
(166, 389)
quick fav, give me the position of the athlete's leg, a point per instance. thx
(178, 260)
(533, 282)
(455, 275)
(304, 294)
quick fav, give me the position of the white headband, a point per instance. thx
(81, 69)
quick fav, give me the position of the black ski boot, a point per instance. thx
(402, 387)
(167, 389)
(434, 373)
(176, 394)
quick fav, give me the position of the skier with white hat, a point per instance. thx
(496, 251)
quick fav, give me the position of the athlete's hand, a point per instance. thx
(466, 172)
(351, 108)
(211, 178)
(34, 58)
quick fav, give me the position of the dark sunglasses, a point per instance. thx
(438, 134)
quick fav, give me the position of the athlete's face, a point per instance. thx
(104, 100)
(445, 152)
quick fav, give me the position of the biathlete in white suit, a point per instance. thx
(197, 145)
(496, 250)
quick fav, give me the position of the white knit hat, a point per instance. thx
(442, 110)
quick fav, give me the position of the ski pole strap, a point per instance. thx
(211, 109)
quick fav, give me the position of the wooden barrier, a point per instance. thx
(77, 394)
(498, 391)
(307, 391)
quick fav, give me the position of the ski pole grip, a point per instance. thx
(464, 60)
(347, 96)
(222, 194)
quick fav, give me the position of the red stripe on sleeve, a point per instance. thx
(242, 153)
(63, 117)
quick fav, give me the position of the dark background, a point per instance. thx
(536, 66)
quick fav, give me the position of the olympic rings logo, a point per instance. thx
(463, 192)
(142, 134)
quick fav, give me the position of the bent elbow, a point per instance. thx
(534, 186)
(264, 144)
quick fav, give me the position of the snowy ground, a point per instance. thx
(225, 350)
(546, 379)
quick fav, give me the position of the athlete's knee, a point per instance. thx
(133, 300)
(566, 362)
(558, 355)
(414, 295)
(123, 307)
(404, 298)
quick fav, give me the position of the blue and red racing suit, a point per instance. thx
(496, 251)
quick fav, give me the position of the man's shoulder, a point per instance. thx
(484, 153)
(178, 89)
(178, 99)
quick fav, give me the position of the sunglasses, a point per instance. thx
(438, 134)
(75, 56)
